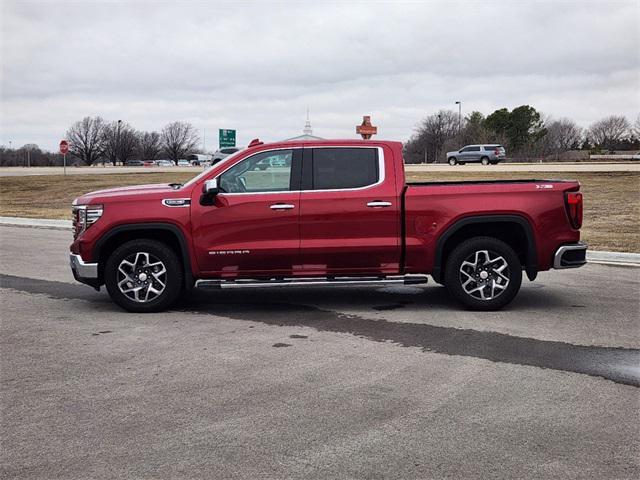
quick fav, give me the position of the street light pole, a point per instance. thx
(459, 103)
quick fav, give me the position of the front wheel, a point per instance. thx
(483, 273)
(453, 161)
(485, 160)
(143, 276)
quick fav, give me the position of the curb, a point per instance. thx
(593, 256)
(36, 223)
(613, 258)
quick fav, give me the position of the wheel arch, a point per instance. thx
(515, 230)
(168, 233)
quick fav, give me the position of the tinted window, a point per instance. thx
(473, 149)
(263, 172)
(338, 168)
(490, 147)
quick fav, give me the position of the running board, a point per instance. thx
(313, 281)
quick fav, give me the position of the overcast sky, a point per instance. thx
(257, 66)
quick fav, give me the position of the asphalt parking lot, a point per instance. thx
(393, 382)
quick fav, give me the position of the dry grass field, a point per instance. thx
(611, 217)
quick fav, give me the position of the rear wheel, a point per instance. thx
(483, 273)
(452, 161)
(143, 276)
(485, 160)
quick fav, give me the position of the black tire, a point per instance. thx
(173, 278)
(497, 250)
(452, 161)
(484, 160)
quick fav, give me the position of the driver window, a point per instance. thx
(263, 172)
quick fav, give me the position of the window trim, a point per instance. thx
(381, 171)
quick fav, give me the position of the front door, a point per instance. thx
(252, 228)
(349, 212)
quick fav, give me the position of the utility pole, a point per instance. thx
(118, 142)
(459, 103)
(204, 140)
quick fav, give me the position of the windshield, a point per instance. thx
(206, 171)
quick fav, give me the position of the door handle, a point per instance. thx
(281, 206)
(378, 204)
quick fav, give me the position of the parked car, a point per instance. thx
(223, 153)
(183, 162)
(199, 159)
(339, 212)
(275, 161)
(165, 163)
(485, 154)
(134, 163)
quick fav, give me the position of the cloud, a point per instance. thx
(256, 67)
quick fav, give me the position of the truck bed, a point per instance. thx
(483, 182)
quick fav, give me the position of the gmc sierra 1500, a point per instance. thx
(323, 212)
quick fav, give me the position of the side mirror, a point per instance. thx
(211, 187)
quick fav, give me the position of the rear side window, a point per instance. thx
(473, 149)
(341, 168)
(490, 148)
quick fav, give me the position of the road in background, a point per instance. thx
(440, 167)
(387, 382)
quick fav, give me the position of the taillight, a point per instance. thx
(573, 202)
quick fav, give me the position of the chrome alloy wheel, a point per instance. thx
(484, 275)
(142, 277)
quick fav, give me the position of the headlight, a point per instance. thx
(84, 216)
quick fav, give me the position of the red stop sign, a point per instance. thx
(64, 147)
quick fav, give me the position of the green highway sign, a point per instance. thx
(227, 137)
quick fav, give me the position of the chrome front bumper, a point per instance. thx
(81, 269)
(570, 256)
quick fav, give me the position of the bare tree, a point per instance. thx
(149, 145)
(427, 144)
(178, 139)
(636, 128)
(85, 139)
(562, 135)
(609, 131)
(120, 142)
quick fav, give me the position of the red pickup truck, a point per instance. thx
(323, 212)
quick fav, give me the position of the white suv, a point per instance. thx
(485, 154)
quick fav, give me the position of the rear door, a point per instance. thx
(473, 154)
(349, 212)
